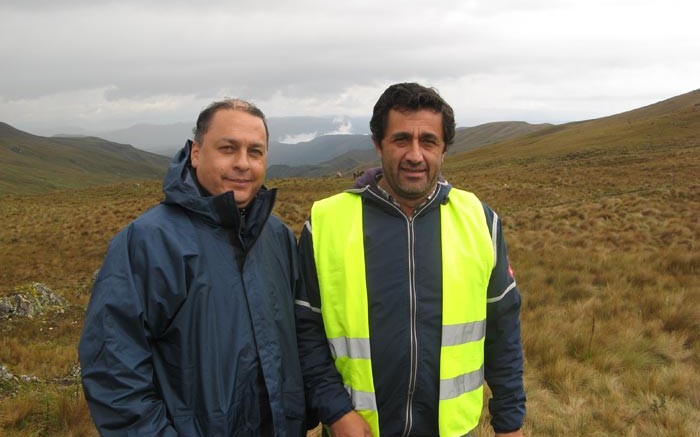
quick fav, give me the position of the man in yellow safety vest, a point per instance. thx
(409, 303)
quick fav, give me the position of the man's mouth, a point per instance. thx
(413, 171)
(237, 180)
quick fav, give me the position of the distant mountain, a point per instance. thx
(356, 159)
(306, 146)
(163, 139)
(330, 154)
(318, 150)
(166, 139)
(32, 164)
(324, 155)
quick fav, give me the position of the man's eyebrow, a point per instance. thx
(422, 136)
(225, 140)
(401, 134)
(234, 142)
(429, 136)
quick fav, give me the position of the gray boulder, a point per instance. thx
(30, 301)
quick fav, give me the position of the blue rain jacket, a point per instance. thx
(179, 340)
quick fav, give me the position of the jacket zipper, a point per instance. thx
(412, 324)
(413, 370)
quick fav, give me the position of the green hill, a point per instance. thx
(672, 121)
(34, 164)
(488, 133)
(635, 151)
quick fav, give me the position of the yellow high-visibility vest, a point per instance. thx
(467, 261)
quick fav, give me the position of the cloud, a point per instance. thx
(299, 138)
(128, 61)
(343, 126)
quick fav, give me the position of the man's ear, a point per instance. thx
(194, 154)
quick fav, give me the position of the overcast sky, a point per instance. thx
(111, 64)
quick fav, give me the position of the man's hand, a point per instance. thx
(518, 433)
(351, 425)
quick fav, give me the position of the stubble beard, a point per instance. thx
(415, 190)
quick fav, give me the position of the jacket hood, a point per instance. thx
(181, 188)
(369, 177)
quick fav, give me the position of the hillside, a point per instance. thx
(672, 121)
(489, 133)
(33, 164)
(591, 158)
(601, 221)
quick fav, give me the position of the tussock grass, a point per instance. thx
(47, 413)
(62, 236)
(44, 347)
(603, 232)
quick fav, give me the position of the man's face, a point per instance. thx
(411, 153)
(232, 155)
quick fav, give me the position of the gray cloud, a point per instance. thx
(109, 62)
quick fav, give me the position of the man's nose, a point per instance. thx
(241, 160)
(414, 152)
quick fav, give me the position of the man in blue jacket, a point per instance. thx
(407, 280)
(190, 327)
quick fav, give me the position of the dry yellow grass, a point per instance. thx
(604, 239)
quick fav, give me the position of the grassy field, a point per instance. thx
(604, 237)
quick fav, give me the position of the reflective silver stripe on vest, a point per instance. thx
(494, 237)
(357, 348)
(463, 333)
(362, 400)
(453, 387)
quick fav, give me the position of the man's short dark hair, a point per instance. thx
(411, 97)
(205, 117)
